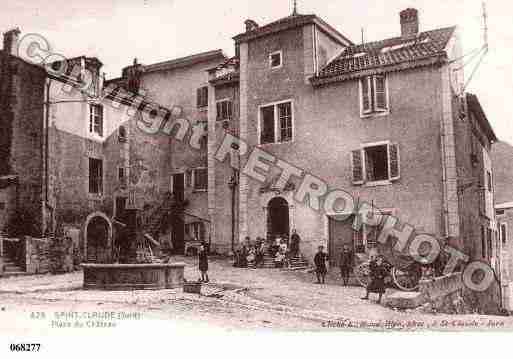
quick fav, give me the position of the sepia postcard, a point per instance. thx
(240, 166)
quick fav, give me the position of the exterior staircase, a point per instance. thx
(10, 267)
(296, 263)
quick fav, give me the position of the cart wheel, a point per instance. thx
(362, 273)
(406, 280)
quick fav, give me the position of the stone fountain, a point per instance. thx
(134, 267)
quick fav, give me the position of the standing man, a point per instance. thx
(203, 263)
(294, 245)
(320, 265)
(346, 263)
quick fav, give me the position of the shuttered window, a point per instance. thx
(380, 94)
(366, 95)
(224, 110)
(373, 94)
(393, 159)
(375, 163)
(357, 167)
(202, 97)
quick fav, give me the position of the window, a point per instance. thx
(200, 179)
(122, 175)
(276, 123)
(504, 233)
(122, 134)
(202, 97)
(376, 163)
(224, 110)
(196, 230)
(275, 59)
(95, 176)
(96, 119)
(489, 178)
(373, 95)
(2, 206)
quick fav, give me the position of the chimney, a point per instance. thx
(250, 25)
(409, 22)
(11, 41)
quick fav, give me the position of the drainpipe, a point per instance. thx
(47, 149)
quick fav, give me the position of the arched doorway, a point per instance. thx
(97, 235)
(278, 217)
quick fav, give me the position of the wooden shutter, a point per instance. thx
(229, 110)
(357, 167)
(219, 110)
(394, 162)
(380, 93)
(365, 95)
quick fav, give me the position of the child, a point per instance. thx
(378, 272)
(320, 265)
(203, 263)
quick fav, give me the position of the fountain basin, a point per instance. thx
(133, 276)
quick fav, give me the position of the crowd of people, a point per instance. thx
(253, 253)
(280, 248)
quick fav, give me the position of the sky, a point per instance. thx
(117, 31)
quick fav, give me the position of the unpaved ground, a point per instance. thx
(236, 299)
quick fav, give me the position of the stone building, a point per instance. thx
(504, 213)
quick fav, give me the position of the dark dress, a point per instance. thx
(203, 261)
(378, 274)
(294, 244)
(320, 262)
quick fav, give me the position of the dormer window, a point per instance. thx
(276, 59)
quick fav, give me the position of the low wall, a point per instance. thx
(36, 255)
(133, 276)
(43, 255)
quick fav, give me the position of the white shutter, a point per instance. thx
(380, 93)
(365, 95)
(394, 166)
(357, 167)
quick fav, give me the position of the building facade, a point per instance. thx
(387, 122)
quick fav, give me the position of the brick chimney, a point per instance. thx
(11, 38)
(409, 22)
(250, 25)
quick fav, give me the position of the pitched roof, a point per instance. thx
(185, 61)
(395, 51)
(290, 22)
(475, 106)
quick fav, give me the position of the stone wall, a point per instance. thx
(43, 255)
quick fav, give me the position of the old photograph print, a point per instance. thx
(323, 166)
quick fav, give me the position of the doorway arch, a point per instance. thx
(97, 238)
(278, 217)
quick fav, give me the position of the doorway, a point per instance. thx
(278, 221)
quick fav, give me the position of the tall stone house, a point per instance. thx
(386, 121)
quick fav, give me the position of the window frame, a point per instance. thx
(363, 156)
(220, 102)
(199, 95)
(92, 117)
(277, 130)
(193, 179)
(101, 177)
(279, 52)
(372, 95)
(503, 228)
